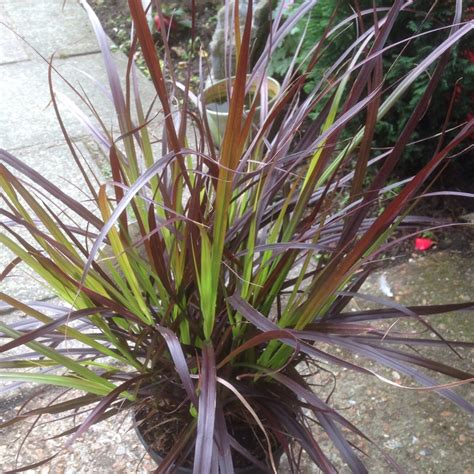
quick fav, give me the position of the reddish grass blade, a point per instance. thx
(102, 406)
(149, 53)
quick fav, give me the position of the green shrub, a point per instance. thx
(422, 17)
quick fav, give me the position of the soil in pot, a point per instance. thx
(158, 426)
(221, 105)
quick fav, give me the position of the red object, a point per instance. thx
(470, 55)
(423, 243)
(167, 22)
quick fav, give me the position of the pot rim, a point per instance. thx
(220, 90)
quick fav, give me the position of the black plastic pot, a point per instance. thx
(158, 458)
(155, 455)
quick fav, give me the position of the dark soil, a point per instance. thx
(115, 18)
(173, 422)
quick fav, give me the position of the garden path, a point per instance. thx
(28, 125)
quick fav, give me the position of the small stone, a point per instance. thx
(468, 217)
(396, 375)
(414, 440)
(393, 444)
(426, 452)
(446, 414)
(462, 438)
(120, 451)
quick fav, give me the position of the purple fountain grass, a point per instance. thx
(207, 275)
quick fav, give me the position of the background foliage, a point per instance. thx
(458, 77)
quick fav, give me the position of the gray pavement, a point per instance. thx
(28, 125)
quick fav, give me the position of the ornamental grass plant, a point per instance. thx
(202, 283)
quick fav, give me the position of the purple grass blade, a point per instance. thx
(341, 443)
(47, 328)
(37, 178)
(304, 437)
(103, 141)
(383, 338)
(83, 352)
(317, 336)
(304, 392)
(280, 34)
(179, 360)
(391, 313)
(236, 446)
(378, 355)
(111, 68)
(264, 324)
(419, 360)
(206, 413)
(224, 454)
(393, 304)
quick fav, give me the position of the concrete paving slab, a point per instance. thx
(12, 48)
(27, 117)
(67, 32)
